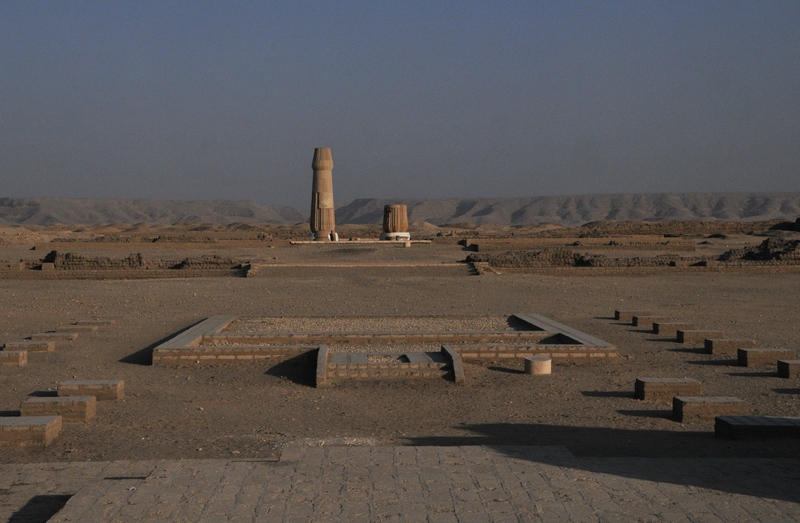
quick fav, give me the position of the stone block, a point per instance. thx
(698, 409)
(696, 336)
(48, 266)
(789, 368)
(538, 365)
(31, 346)
(50, 336)
(103, 390)
(752, 427)
(70, 408)
(647, 321)
(13, 358)
(76, 328)
(670, 328)
(664, 389)
(727, 346)
(763, 357)
(627, 315)
(29, 431)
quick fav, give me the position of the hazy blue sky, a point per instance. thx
(205, 100)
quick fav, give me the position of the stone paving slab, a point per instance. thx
(433, 484)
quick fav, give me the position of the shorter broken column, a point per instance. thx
(395, 223)
(538, 365)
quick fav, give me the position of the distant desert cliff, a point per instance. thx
(565, 210)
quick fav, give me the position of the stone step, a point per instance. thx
(727, 346)
(29, 431)
(789, 368)
(760, 357)
(13, 358)
(70, 408)
(747, 427)
(647, 321)
(103, 390)
(664, 389)
(670, 328)
(697, 409)
(31, 346)
(696, 336)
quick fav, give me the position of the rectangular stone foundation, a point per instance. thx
(763, 357)
(664, 389)
(31, 346)
(696, 336)
(647, 321)
(29, 431)
(13, 358)
(727, 346)
(627, 315)
(670, 328)
(750, 427)
(789, 368)
(70, 408)
(103, 390)
(699, 409)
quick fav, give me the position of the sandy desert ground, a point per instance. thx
(252, 409)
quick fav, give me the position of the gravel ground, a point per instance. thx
(249, 410)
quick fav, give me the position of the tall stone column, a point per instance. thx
(322, 220)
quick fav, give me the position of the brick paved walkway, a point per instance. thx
(434, 484)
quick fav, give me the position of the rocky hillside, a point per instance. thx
(564, 210)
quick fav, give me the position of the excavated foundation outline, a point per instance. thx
(206, 342)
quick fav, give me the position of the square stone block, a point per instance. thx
(627, 315)
(696, 336)
(763, 357)
(103, 390)
(698, 409)
(50, 336)
(789, 368)
(670, 328)
(76, 328)
(13, 358)
(727, 346)
(664, 389)
(29, 431)
(747, 427)
(647, 321)
(70, 408)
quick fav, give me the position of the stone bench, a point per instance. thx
(789, 368)
(50, 336)
(103, 390)
(13, 358)
(746, 427)
(29, 431)
(763, 357)
(627, 315)
(647, 321)
(96, 321)
(664, 389)
(670, 328)
(76, 328)
(31, 346)
(70, 408)
(727, 346)
(697, 409)
(696, 336)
